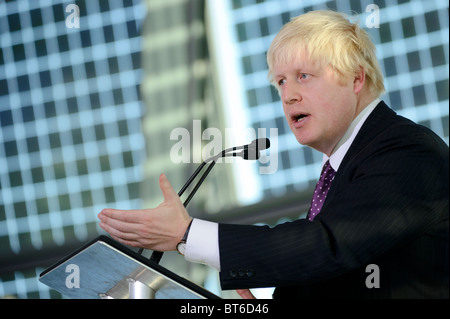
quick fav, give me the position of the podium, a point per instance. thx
(105, 269)
(108, 270)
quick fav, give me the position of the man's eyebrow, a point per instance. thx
(278, 76)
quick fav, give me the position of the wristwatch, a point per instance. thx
(181, 246)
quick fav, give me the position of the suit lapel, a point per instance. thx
(377, 122)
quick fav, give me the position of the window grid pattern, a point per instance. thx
(412, 47)
(70, 115)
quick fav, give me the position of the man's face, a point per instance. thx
(318, 107)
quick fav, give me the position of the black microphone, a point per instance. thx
(248, 152)
(260, 144)
(252, 150)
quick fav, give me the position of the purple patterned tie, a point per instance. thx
(322, 188)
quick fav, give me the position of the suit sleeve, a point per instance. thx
(392, 191)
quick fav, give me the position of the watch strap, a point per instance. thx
(186, 234)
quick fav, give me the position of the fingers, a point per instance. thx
(129, 239)
(124, 225)
(126, 216)
(245, 294)
(158, 228)
(118, 228)
(167, 189)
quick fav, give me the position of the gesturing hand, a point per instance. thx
(159, 228)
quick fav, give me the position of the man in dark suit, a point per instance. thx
(378, 223)
(387, 206)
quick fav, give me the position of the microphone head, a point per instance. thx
(250, 154)
(260, 143)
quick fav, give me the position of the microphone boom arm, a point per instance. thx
(249, 152)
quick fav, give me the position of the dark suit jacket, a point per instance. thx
(388, 206)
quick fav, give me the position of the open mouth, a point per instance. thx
(299, 118)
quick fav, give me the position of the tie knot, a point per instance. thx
(328, 172)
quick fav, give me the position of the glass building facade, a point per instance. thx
(89, 113)
(71, 137)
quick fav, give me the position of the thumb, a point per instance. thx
(245, 293)
(167, 189)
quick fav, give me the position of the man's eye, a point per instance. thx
(281, 82)
(304, 76)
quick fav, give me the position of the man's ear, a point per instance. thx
(359, 80)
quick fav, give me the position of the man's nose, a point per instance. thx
(291, 94)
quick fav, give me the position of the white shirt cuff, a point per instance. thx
(202, 244)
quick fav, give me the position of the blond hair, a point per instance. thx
(328, 38)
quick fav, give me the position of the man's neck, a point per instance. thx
(344, 143)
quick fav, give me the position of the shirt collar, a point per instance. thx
(344, 143)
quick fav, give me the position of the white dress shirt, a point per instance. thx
(202, 245)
